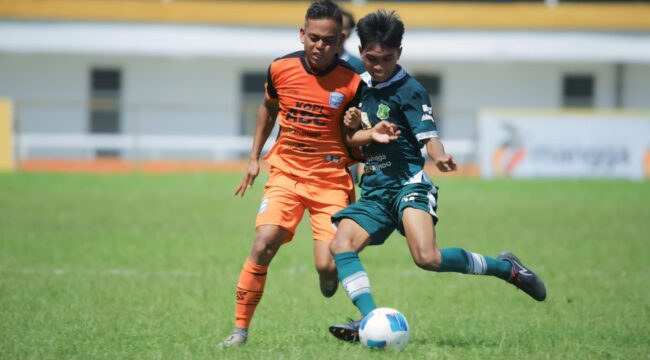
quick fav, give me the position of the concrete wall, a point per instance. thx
(201, 96)
(469, 87)
(159, 95)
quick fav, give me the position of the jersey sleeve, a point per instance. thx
(269, 87)
(418, 112)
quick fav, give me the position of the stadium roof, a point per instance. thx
(170, 40)
(496, 14)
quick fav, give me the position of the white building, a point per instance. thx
(159, 90)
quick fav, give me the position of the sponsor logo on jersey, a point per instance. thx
(336, 99)
(332, 158)
(383, 111)
(427, 109)
(410, 197)
(306, 113)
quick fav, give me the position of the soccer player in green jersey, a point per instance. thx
(396, 193)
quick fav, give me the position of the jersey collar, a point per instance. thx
(399, 75)
(324, 72)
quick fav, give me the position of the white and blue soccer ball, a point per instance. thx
(385, 328)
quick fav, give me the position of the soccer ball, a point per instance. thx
(384, 328)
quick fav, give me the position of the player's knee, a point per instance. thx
(265, 247)
(340, 244)
(325, 267)
(427, 260)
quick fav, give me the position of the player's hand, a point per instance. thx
(352, 118)
(384, 132)
(249, 178)
(445, 163)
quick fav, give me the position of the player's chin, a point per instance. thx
(379, 77)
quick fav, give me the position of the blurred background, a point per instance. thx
(519, 88)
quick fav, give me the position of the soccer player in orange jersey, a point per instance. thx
(308, 92)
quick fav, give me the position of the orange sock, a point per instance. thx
(249, 292)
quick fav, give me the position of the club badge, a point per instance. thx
(383, 111)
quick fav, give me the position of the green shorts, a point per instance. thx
(379, 211)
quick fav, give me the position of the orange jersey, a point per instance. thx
(310, 143)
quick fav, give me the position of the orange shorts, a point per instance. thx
(286, 198)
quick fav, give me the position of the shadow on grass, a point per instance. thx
(454, 342)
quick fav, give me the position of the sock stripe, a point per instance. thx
(249, 290)
(477, 263)
(356, 284)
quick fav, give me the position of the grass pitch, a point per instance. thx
(144, 266)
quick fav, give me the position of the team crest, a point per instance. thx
(383, 111)
(336, 99)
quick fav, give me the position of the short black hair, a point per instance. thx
(381, 27)
(349, 15)
(324, 9)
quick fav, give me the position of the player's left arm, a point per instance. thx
(419, 115)
(436, 151)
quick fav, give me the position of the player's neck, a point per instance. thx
(315, 69)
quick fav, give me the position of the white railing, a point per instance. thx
(153, 147)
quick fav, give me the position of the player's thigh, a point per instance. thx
(416, 211)
(350, 236)
(420, 235)
(420, 196)
(280, 207)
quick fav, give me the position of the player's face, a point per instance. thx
(321, 39)
(380, 61)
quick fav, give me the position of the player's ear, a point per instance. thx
(302, 35)
(399, 52)
(360, 50)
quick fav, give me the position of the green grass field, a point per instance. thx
(144, 267)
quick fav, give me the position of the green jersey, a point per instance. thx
(404, 102)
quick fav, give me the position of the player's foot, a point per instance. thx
(328, 287)
(235, 339)
(523, 278)
(346, 332)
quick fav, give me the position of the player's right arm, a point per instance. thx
(266, 115)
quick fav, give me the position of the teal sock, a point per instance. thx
(466, 262)
(355, 281)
